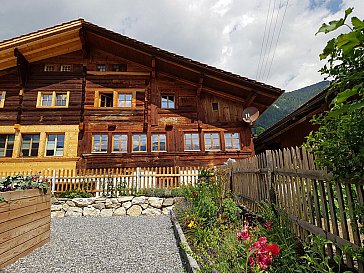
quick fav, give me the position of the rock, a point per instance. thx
(168, 202)
(54, 201)
(155, 202)
(114, 201)
(59, 214)
(138, 200)
(91, 211)
(108, 203)
(73, 212)
(127, 205)
(65, 207)
(144, 206)
(123, 199)
(70, 203)
(106, 213)
(166, 210)
(83, 202)
(151, 211)
(99, 206)
(56, 207)
(120, 212)
(134, 210)
(100, 199)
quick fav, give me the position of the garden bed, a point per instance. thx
(24, 223)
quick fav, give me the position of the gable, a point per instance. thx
(96, 42)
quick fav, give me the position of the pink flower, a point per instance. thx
(244, 234)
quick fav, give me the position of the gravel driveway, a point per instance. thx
(144, 244)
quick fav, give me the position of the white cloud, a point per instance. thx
(223, 33)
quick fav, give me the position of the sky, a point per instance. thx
(246, 37)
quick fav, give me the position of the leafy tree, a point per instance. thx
(339, 142)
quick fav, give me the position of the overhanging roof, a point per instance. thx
(68, 37)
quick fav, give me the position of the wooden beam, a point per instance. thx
(154, 95)
(22, 67)
(85, 46)
(40, 35)
(250, 100)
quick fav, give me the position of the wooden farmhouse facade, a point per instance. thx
(79, 96)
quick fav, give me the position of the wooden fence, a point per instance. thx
(121, 181)
(315, 204)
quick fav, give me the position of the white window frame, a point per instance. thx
(49, 68)
(30, 145)
(6, 145)
(93, 143)
(146, 143)
(123, 137)
(66, 68)
(55, 144)
(232, 141)
(212, 141)
(159, 139)
(191, 139)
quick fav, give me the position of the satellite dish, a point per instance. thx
(250, 115)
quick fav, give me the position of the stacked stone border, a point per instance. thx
(189, 262)
(105, 207)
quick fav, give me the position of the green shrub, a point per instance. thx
(74, 194)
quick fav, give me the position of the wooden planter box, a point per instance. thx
(24, 223)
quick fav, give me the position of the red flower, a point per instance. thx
(268, 225)
(273, 249)
(194, 194)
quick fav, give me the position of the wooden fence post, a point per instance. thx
(270, 177)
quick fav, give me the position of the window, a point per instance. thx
(232, 141)
(119, 67)
(106, 99)
(215, 106)
(192, 142)
(55, 145)
(101, 67)
(99, 143)
(49, 68)
(2, 98)
(53, 99)
(120, 143)
(159, 142)
(46, 99)
(212, 141)
(125, 100)
(140, 143)
(6, 145)
(167, 102)
(30, 145)
(66, 68)
(61, 99)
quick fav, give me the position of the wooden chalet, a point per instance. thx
(78, 95)
(292, 130)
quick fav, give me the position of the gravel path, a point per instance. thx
(144, 244)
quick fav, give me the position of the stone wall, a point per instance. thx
(121, 206)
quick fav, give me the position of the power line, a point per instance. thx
(261, 48)
(267, 41)
(279, 34)
(271, 41)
